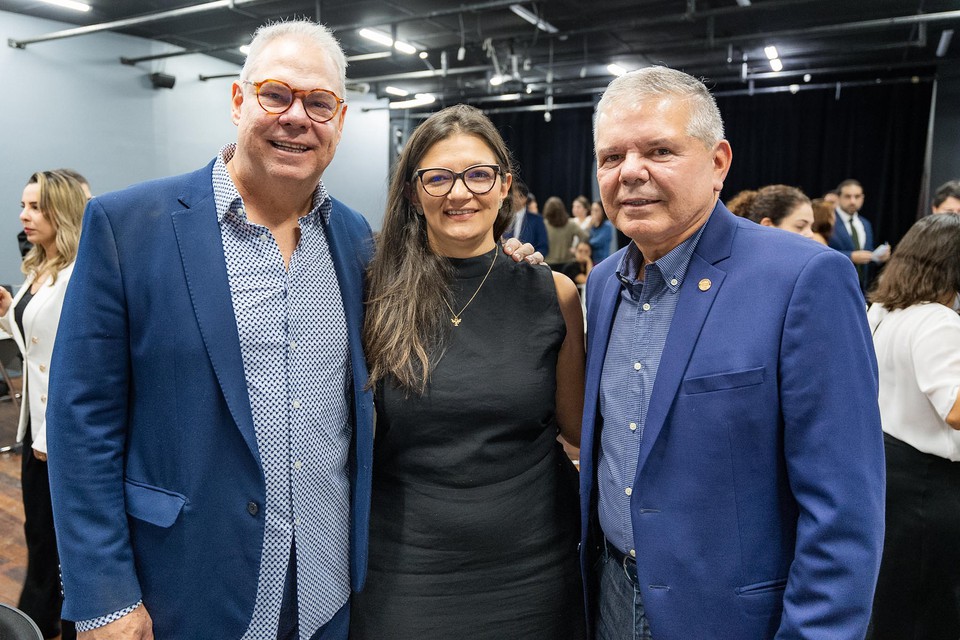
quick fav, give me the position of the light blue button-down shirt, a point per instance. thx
(634, 350)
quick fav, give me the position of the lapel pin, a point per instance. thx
(704, 284)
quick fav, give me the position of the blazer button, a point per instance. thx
(34, 340)
(43, 368)
(252, 508)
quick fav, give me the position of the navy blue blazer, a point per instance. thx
(757, 505)
(840, 238)
(157, 487)
(534, 231)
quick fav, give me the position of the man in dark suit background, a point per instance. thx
(853, 233)
(732, 466)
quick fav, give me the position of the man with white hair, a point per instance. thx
(210, 424)
(732, 468)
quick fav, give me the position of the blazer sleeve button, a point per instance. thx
(252, 508)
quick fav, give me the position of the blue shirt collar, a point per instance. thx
(672, 267)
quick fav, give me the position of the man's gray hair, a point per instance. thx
(305, 30)
(651, 82)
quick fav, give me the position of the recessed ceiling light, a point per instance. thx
(771, 52)
(776, 65)
(396, 91)
(70, 4)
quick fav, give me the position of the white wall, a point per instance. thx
(70, 103)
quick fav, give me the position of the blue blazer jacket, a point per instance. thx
(154, 469)
(840, 238)
(757, 504)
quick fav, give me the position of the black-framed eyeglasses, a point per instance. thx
(478, 179)
(276, 96)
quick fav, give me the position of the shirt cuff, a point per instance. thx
(96, 623)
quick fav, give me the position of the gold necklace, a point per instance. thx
(455, 319)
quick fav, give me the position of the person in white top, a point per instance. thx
(916, 332)
(52, 207)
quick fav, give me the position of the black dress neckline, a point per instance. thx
(475, 266)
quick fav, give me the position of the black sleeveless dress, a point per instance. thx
(475, 520)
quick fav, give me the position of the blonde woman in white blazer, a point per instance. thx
(52, 208)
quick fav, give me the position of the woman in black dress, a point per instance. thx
(478, 365)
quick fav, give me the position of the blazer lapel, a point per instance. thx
(598, 329)
(201, 250)
(692, 310)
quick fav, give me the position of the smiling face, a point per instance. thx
(38, 228)
(460, 224)
(657, 182)
(289, 150)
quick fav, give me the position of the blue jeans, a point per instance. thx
(620, 613)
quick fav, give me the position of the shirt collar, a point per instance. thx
(846, 217)
(228, 199)
(672, 267)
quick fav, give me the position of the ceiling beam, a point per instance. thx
(130, 22)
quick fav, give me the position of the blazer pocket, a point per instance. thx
(721, 381)
(763, 599)
(152, 504)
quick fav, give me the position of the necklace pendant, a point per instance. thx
(456, 321)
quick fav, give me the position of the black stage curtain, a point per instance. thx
(554, 158)
(812, 140)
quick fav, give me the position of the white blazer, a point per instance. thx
(40, 321)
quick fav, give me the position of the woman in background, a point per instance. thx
(916, 332)
(601, 232)
(52, 207)
(477, 364)
(580, 208)
(780, 206)
(824, 217)
(563, 232)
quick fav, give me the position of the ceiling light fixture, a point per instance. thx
(771, 52)
(533, 18)
(945, 36)
(69, 4)
(424, 55)
(421, 99)
(395, 91)
(379, 55)
(497, 79)
(616, 69)
(245, 49)
(384, 38)
(776, 65)
(743, 3)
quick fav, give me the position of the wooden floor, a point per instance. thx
(13, 551)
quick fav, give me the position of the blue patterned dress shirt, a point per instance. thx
(636, 343)
(295, 351)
